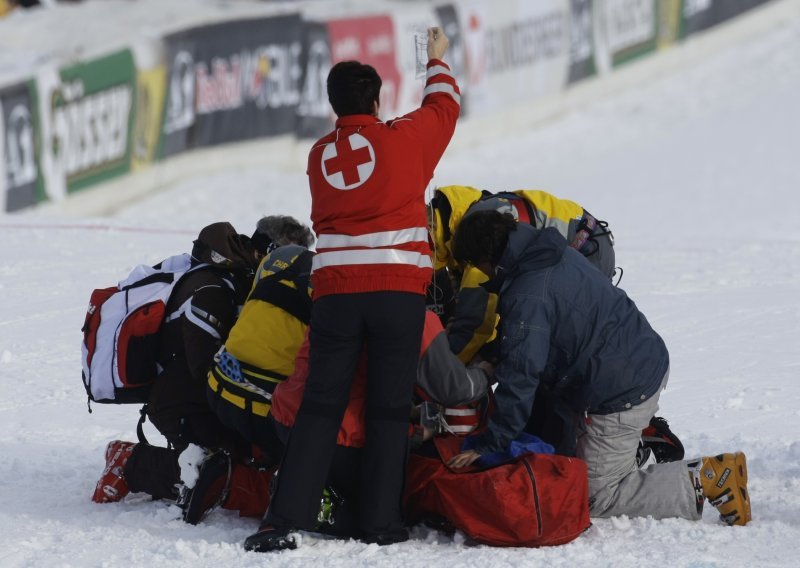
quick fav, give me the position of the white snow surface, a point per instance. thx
(189, 462)
(697, 173)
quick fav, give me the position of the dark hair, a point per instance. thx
(279, 230)
(353, 88)
(482, 236)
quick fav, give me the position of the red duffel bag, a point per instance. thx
(533, 500)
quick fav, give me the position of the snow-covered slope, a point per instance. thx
(697, 174)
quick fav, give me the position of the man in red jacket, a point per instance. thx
(372, 268)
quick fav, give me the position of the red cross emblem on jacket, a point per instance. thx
(348, 162)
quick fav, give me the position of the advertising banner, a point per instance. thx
(232, 81)
(370, 40)
(19, 142)
(151, 86)
(456, 55)
(699, 15)
(314, 115)
(669, 22)
(87, 119)
(581, 41)
(473, 18)
(521, 50)
(624, 30)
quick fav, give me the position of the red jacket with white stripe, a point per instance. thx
(368, 181)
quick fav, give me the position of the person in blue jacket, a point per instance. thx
(565, 327)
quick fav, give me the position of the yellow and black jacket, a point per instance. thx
(476, 318)
(261, 348)
(538, 208)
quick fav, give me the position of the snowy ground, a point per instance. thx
(697, 174)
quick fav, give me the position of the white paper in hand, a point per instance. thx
(421, 46)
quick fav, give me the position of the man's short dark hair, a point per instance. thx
(482, 236)
(353, 88)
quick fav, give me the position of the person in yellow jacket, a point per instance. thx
(258, 355)
(475, 317)
(261, 348)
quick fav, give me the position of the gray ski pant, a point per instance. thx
(608, 444)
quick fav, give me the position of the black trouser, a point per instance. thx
(154, 471)
(182, 428)
(257, 430)
(343, 477)
(554, 422)
(390, 325)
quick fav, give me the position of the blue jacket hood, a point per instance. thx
(565, 325)
(531, 249)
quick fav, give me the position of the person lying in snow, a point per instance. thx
(564, 323)
(451, 398)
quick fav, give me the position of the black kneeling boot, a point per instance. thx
(270, 538)
(386, 538)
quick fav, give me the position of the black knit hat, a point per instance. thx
(262, 243)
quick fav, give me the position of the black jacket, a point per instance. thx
(205, 305)
(563, 323)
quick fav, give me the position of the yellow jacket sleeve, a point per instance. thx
(475, 317)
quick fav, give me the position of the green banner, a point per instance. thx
(632, 28)
(623, 30)
(89, 114)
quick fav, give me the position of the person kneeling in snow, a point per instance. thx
(472, 329)
(563, 322)
(258, 356)
(177, 403)
(474, 320)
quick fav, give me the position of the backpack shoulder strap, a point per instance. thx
(196, 315)
(293, 300)
(140, 425)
